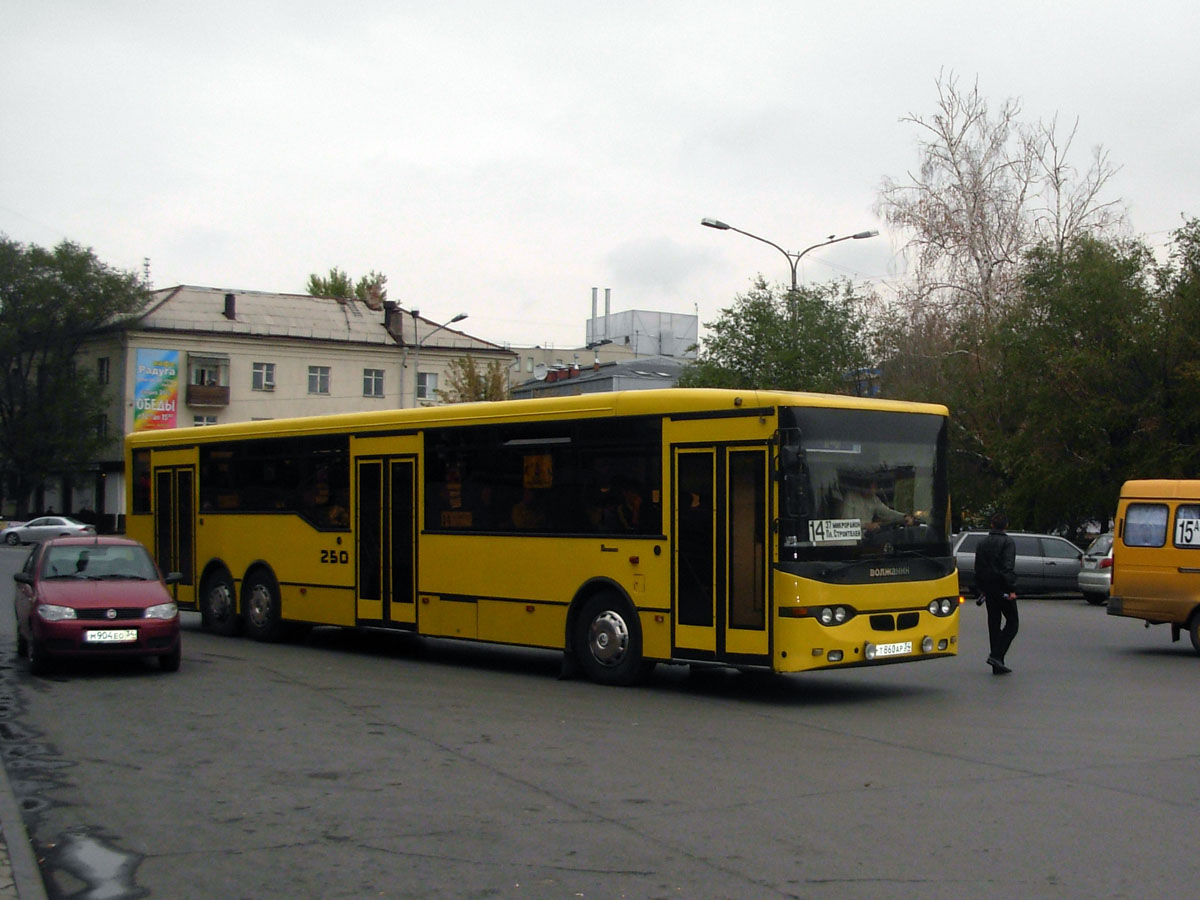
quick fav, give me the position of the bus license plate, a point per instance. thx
(111, 636)
(897, 649)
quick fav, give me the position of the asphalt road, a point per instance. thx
(378, 765)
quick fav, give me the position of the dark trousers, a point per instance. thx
(1001, 637)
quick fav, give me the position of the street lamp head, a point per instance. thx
(864, 234)
(714, 223)
(457, 318)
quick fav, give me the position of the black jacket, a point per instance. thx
(996, 563)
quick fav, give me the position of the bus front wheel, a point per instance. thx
(218, 605)
(264, 619)
(1194, 630)
(608, 641)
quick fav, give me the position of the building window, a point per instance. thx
(209, 372)
(318, 379)
(372, 382)
(102, 370)
(426, 385)
(263, 377)
(204, 420)
(529, 364)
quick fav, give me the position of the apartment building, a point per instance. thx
(202, 356)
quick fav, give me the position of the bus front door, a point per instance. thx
(174, 526)
(386, 540)
(720, 553)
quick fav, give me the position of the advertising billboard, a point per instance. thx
(156, 390)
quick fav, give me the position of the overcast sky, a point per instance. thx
(502, 158)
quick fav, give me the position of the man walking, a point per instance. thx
(996, 576)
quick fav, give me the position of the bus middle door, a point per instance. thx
(386, 539)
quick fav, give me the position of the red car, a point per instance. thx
(94, 597)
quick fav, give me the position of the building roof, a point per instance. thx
(204, 310)
(642, 373)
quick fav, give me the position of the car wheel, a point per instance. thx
(169, 662)
(1194, 630)
(218, 605)
(12, 539)
(22, 644)
(39, 660)
(264, 619)
(1096, 599)
(608, 641)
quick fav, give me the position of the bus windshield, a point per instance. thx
(861, 485)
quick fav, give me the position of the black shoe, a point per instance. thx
(998, 668)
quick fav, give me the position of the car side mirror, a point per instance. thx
(22, 578)
(174, 577)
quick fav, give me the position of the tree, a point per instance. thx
(468, 383)
(50, 302)
(988, 189)
(809, 339)
(1080, 376)
(993, 200)
(371, 289)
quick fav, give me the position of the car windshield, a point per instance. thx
(99, 561)
(1100, 546)
(860, 485)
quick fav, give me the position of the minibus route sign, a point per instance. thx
(1187, 530)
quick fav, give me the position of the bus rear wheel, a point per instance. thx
(1194, 630)
(264, 618)
(608, 642)
(218, 605)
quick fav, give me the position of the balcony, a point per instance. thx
(207, 395)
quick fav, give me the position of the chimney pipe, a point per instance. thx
(607, 296)
(230, 306)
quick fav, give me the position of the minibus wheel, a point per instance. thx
(608, 641)
(1194, 630)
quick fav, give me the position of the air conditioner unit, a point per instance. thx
(268, 385)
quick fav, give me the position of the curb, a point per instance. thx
(26, 876)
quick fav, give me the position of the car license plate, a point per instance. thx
(897, 649)
(110, 636)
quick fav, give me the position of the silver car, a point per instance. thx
(44, 527)
(1095, 577)
(1046, 563)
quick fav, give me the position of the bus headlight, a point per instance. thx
(943, 606)
(833, 615)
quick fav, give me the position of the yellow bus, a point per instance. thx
(771, 530)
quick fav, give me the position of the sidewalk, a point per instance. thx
(20, 878)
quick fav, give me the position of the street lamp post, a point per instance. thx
(792, 258)
(417, 347)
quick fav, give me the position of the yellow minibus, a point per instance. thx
(1156, 555)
